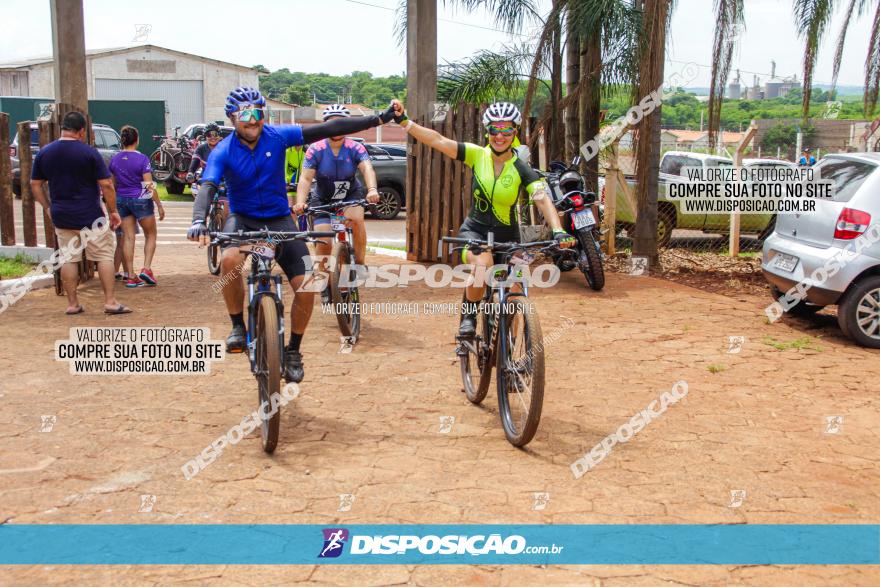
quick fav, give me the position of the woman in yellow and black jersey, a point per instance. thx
(498, 176)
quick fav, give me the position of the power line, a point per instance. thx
(475, 26)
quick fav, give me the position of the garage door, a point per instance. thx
(183, 99)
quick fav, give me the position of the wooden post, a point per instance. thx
(47, 134)
(7, 216)
(733, 244)
(28, 211)
(611, 177)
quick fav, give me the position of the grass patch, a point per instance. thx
(392, 247)
(716, 368)
(17, 267)
(166, 197)
(804, 342)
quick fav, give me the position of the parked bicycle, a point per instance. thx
(508, 335)
(265, 334)
(344, 295)
(170, 162)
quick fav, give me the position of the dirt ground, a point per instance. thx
(368, 424)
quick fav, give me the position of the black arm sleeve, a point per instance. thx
(203, 201)
(338, 127)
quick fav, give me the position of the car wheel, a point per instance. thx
(175, 187)
(389, 204)
(859, 312)
(801, 309)
(665, 226)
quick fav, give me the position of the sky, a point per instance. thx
(340, 36)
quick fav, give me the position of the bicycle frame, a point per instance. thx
(259, 284)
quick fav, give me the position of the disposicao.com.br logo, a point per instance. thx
(393, 544)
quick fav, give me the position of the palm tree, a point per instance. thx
(872, 62)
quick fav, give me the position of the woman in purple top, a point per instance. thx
(136, 194)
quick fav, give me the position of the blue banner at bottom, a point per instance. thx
(157, 544)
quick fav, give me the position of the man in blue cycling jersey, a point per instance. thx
(333, 163)
(252, 162)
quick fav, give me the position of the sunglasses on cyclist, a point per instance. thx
(504, 131)
(212, 135)
(255, 114)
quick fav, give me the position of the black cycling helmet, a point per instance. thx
(211, 127)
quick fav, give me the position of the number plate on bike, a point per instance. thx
(584, 219)
(522, 258)
(264, 250)
(340, 189)
(337, 222)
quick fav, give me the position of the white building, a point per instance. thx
(194, 88)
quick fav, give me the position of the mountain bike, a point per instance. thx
(215, 219)
(265, 333)
(508, 335)
(170, 162)
(344, 294)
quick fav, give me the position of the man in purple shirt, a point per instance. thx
(77, 177)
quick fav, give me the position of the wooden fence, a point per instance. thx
(438, 188)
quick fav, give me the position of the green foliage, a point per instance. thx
(359, 87)
(16, 267)
(784, 135)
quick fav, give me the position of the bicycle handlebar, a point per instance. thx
(253, 236)
(332, 207)
(497, 246)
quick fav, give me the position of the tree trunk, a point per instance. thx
(557, 134)
(589, 102)
(572, 78)
(651, 60)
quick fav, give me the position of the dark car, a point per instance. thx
(196, 131)
(106, 141)
(393, 149)
(390, 179)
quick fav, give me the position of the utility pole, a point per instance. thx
(69, 52)
(421, 56)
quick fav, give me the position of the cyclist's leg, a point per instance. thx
(359, 228)
(291, 257)
(231, 270)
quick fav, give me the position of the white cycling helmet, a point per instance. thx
(336, 110)
(502, 112)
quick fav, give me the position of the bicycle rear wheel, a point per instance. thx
(215, 224)
(160, 163)
(268, 367)
(343, 291)
(520, 377)
(475, 356)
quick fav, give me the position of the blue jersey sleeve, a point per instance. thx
(292, 134)
(214, 166)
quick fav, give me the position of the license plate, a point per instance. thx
(785, 262)
(337, 222)
(584, 219)
(340, 190)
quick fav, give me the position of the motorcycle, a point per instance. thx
(575, 206)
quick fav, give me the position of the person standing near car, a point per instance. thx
(136, 200)
(77, 176)
(806, 160)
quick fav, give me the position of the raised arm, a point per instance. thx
(344, 126)
(432, 138)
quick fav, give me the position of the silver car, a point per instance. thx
(832, 256)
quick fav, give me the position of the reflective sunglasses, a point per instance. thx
(212, 135)
(505, 131)
(255, 114)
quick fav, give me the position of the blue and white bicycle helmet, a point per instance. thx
(243, 96)
(334, 110)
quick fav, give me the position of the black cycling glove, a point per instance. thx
(388, 115)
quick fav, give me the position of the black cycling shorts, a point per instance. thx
(289, 255)
(472, 229)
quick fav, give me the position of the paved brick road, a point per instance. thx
(368, 424)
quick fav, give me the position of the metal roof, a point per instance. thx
(91, 53)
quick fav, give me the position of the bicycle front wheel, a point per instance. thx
(268, 368)
(520, 365)
(344, 292)
(475, 356)
(215, 224)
